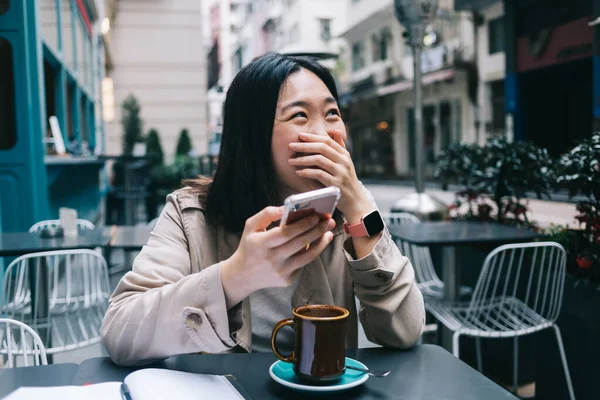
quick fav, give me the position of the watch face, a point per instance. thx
(373, 223)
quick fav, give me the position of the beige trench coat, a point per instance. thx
(172, 302)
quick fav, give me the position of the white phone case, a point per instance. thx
(320, 201)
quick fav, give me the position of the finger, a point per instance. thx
(339, 137)
(261, 220)
(302, 258)
(327, 139)
(282, 234)
(303, 241)
(316, 160)
(318, 174)
(317, 148)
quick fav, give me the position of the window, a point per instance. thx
(50, 93)
(380, 44)
(108, 100)
(496, 35)
(4, 6)
(358, 57)
(325, 29)
(293, 35)
(498, 114)
(8, 127)
(375, 46)
(49, 23)
(83, 120)
(238, 59)
(384, 43)
(68, 38)
(70, 112)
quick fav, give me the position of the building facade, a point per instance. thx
(157, 55)
(51, 66)
(377, 83)
(540, 69)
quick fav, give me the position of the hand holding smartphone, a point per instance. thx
(320, 201)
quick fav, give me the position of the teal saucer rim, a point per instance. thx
(359, 380)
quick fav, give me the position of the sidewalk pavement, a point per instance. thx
(544, 212)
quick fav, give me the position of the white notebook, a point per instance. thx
(145, 384)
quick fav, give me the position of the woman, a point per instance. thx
(218, 271)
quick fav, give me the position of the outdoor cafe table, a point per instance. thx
(424, 372)
(452, 234)
(19, 243)
(128, 238)
(41, 376)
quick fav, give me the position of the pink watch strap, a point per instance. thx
(356, 230)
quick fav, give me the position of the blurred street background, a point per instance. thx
(107, 105)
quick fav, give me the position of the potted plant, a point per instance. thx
(578, 171)
(495, 178)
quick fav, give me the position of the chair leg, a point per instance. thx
(564, 362)
(478, 354)
(455, 345)
(516, 364)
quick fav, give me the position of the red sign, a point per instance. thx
(561, 44)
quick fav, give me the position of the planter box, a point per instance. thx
(579, 323)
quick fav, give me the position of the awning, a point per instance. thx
(384, 90)
(427, 79)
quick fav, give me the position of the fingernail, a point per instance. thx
(331, 224)
(293, 145)
(302, 135)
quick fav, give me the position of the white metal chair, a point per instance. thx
(519, 292)
(69, 314)
(52, 223)
(427, 279)
(20, 341)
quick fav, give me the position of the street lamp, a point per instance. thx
(415, 15)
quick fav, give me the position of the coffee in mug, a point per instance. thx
(320, 351)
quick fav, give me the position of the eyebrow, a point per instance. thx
(303, 103)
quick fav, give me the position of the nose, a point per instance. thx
(319, 128)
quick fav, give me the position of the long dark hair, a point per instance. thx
(245, 180)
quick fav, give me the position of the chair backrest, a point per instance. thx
(400, 218)
(52, 223)
(77, 291)
(20, 341)
(419, 256)
(532, 273)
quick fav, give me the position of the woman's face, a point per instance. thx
(305, 105)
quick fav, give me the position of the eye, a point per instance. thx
(300, 114)
(333, 111)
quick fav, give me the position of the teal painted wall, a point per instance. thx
(22, 171)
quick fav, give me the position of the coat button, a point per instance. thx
(382, 276)
(193, 321)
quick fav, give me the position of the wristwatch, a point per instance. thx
(370, 225)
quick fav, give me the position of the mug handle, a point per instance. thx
(290, 357)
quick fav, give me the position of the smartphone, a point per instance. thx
(320, 201)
